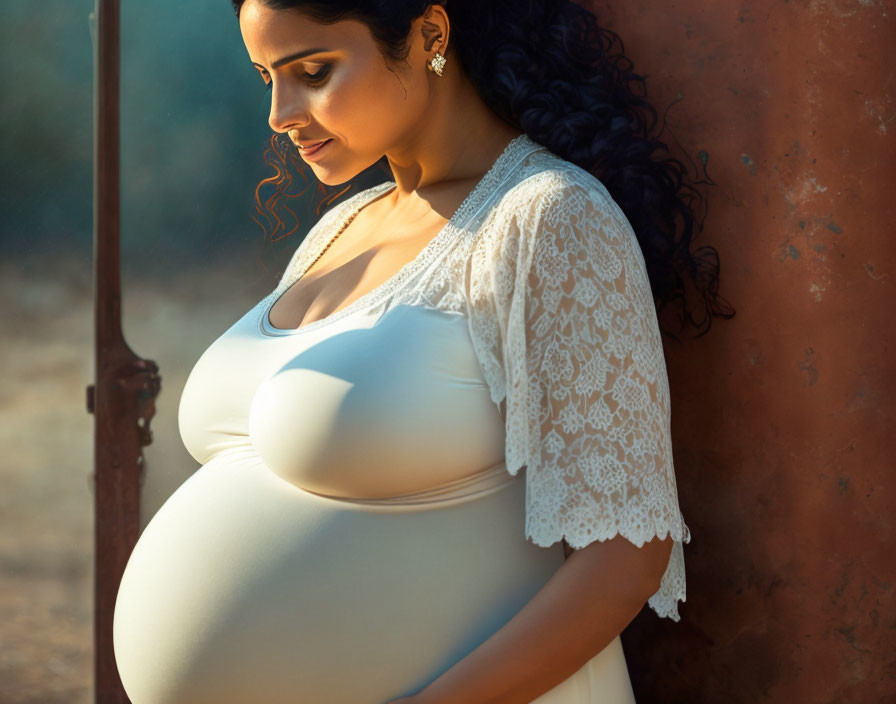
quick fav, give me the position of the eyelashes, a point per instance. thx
(314, 79)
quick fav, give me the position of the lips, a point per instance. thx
(315, 151)
(310, 146)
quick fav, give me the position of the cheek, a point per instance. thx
(376, 100)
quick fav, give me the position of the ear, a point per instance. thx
(434, 29)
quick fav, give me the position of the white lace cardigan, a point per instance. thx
(552, 281)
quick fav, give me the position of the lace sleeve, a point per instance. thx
(587, 396)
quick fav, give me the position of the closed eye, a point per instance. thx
(316, 78)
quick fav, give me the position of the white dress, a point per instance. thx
(360, 521)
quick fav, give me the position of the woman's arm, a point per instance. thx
(576, 614)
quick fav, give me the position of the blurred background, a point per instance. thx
(193, 134)
(782, 417)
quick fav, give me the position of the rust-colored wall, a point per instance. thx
(782, 417)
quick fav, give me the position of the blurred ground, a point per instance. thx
(46, 438)
(46, 519)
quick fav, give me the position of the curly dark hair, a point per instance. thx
(548, 68)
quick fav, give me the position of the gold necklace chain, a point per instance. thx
(333, 239)
(336, 236)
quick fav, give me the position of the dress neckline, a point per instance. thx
(519, 147)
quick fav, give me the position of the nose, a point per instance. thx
(288, 109)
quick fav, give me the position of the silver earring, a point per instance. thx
(437, 63)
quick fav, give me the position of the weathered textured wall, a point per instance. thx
(782, 416)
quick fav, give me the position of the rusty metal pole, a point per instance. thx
(122, 398)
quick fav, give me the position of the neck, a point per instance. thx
(459, 139)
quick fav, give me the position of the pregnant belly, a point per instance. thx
(244, 588)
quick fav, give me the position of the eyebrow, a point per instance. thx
(292, 57)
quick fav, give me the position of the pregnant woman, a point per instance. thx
(436, 458)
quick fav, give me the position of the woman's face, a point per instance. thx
(340, 90)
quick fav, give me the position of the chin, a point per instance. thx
(334, 177)
(344, 171)
(329, 179)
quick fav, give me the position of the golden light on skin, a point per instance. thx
(366, 109)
